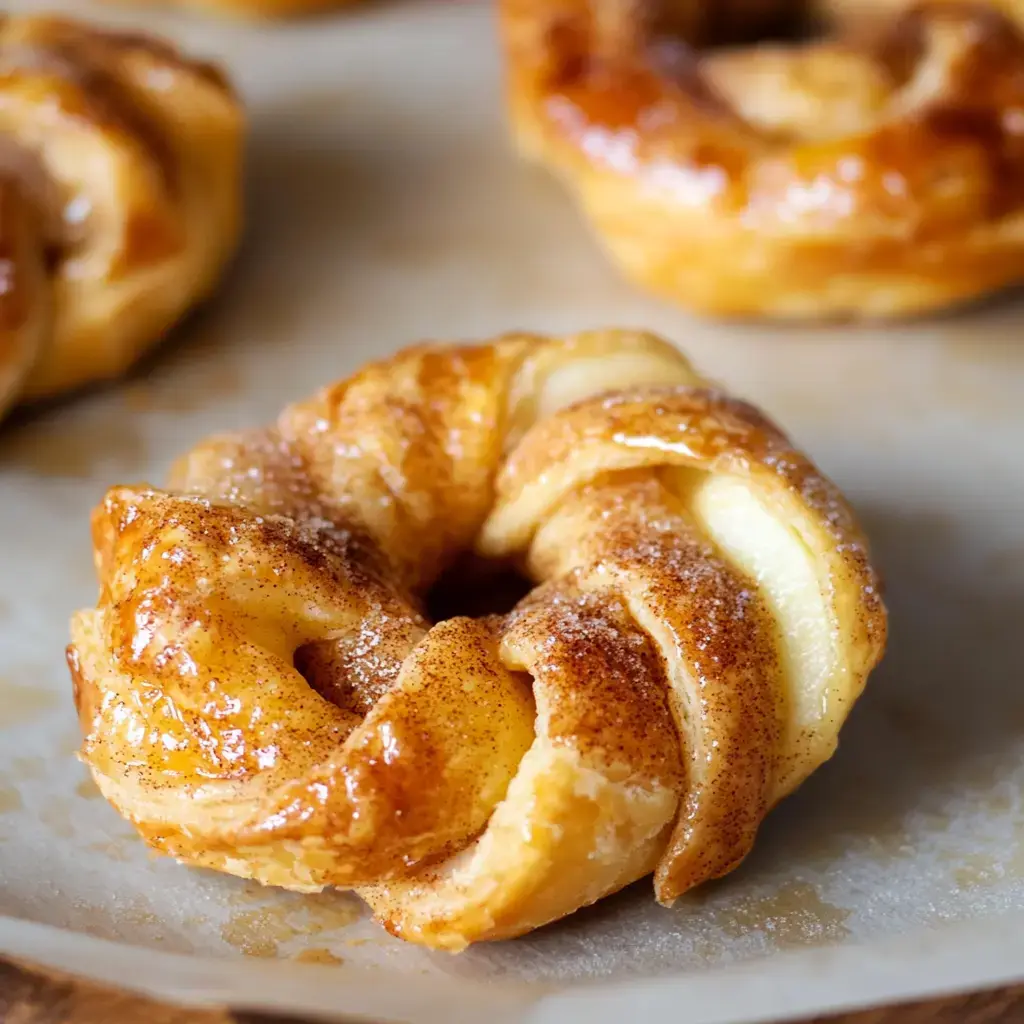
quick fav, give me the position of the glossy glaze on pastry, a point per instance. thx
(120, 193)
(262, 693)
(865, 174)
(256, 9)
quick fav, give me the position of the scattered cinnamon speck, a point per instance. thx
(257, 932)
(260, 931)
(794, 915)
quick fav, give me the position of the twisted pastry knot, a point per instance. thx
(261, 692)
(119, 199)
(260, 8)
(874, 173)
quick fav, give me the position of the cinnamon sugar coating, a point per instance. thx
(120, 193)
(876, 172)
(256, 9)
(261, 692)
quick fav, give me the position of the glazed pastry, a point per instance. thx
(872, 14)
(829, 179)
(261, 691)
(120, 199)
(260, 8)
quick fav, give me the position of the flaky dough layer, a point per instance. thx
(877, 172)
(120, 199)
(262, 693)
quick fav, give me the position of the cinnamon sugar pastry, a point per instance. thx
(829, 179)
(261, 692)
(119, 199)
(260, 8)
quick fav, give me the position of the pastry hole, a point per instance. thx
(476, 587)
(666, 33)
(796, 79)
(330, 668)
(736, 22)
(754, 54)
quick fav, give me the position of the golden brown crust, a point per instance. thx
(261, 692)
(869, 175)
(125, 155)
(258, 8)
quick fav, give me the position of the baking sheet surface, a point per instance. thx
(385, 208)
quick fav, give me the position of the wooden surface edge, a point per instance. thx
(995, 1006)
(30, 995)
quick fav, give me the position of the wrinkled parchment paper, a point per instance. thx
(386, 208)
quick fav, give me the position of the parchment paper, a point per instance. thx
(385, 208)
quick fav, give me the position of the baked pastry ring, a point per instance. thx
(870, 14)
(120, 198)
(262, 8)
(261, 692)
(831, 179)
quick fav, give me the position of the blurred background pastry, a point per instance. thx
(256, 8)
(847, 176)
(121, 193)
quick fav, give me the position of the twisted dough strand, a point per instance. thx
(120, 192)
(705, 615)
